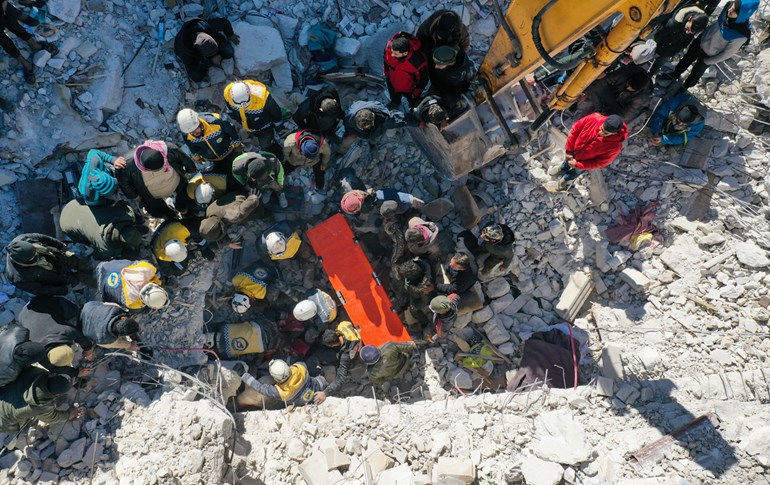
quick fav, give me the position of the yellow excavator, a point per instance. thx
(532, 33)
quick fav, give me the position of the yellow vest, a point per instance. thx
(292, 246)
(257, 102)
(250, 286)
(174, 230)
(217, 180)
(348, 331)
(288, 388)
(243, 338)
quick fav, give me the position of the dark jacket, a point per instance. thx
(384, 120)
(664, 120)
(269, 177)
(99, 226)
(408, 75)
(130, 178)
(394, 357)
(309, 116)
(184, 43)
(421, 110)
(547, 355)
(460, 281)
(11, 335)
(345, 356)
(27, 399)
(96, 319)
(217, 141)
(444, 27)
(451, 82)
(39, 280)
(671, 37)
(53, 321)
(610, 97)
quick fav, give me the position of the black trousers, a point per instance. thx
(10, 22)
(693, 57)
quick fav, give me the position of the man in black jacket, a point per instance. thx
(677, 33)
(444, 27)
(320, 112)
(461, 274)
(9, 21)
(17, 352)
(495, 240)
(371, 119)
(40, 265)
(347, 341)
(623, 92)
(53, 321)
(34, 396)
(109, 326)
(201, 44)
(156, 170)
(451, 74)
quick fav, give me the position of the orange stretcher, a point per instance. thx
(356, 283)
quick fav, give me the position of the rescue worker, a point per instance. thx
(306, 149)
(17, 352)
(40, 265)
(422, 238)
(405, 68)
(371, 119)
(387, 362)
(9, 21)
(171, 240)
(232, 208)
(462, 274)
(206, 187)
(451, 74)
(355, 202)
(623, 92)
(201, 44)
(153, 172)
(250, 104)
(318, 306)
(593, 142)
(281, 241)
(719, 42)
(677, 34)
(54, 322)
(495, 241)
(346, 338)
(431, 110)
(254, 281)
(211, 138)
(112, 230)
(444, 309)
(131, 284)
(34, 396)
(98, 184)
(320, 112)
(109, 326)
(233, 340)
(293, 384)
(444, 28)
(261, 171)
(677, 120)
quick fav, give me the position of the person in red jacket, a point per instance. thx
(593, 142)
(405, 69)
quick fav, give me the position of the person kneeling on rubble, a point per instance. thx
(170, 244)
(254, 281)
(422, 238)
(201, 44)
(113, 231)
(109, 326)
(355, 202)
(387, 362)
(232, 208)
(346, 338)
(263, 172)
(34, 396)
(293, 384)
(371, 119)
(282, 241)
(677, 121)
(318, 306)
(492, 248)
(133, 285)
(41, 265)
(235, 339)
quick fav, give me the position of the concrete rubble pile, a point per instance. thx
(676, 330)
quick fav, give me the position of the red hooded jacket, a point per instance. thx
(410, 74)
(589, 149)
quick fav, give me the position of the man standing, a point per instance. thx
(320, 112)
(451, 74)
(250, 104)
(677, 121)
(444, 27)
(212, 139)
(201, 44)
(678, 32)
(9, 20)
(405, 68)
(594, 142)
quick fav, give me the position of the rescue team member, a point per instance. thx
(109, 326)
(347, 339)
(281, 241)
(317, 304)
(250, 104)
(131, 284)
(293, 384)
(40, 265)
(211, 139)
(204, 188)
(236, 339)
(153, 172)
(388, 361)
(171, 240)
(253, 282)
(34, 396)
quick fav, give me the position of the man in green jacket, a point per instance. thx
(33, 396)
(387, 362)
(114, 231)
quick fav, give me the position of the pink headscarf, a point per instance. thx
(156, 145)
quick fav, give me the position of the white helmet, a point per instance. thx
(240, 94)
(188, 120)
(204, 193)
(275, 242)
(279, 370)
(241, 303)
(305, 310)
(154, 296)
(175, 250)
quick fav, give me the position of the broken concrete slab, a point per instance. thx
(466, 205)
(268, 54)
(436, 210)
(541, 472)
(605, 386)
(66, 10)
(635, 279)
(574, 296)
(399, 475)
(457, 468)
(751, 255)
(612, 362)
(560, 438)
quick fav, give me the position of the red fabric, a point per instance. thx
(639, 220)
(410, 74)
(591, 151)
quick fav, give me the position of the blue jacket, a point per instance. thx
(661, 122)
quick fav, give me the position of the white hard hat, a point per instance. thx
(188, 120)
(279, 370)
(154, 296)
(204, 193)
(241, 303)
(305, 310)
(240, 94)
(275, 242)
(175, 250)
